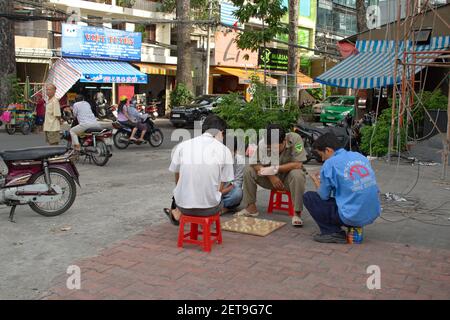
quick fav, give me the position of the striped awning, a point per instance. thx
(373, 65)
(67, 71)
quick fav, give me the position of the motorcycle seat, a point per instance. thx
(37, 153)
(93, 129)
(313, 128)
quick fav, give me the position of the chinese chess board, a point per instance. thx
(254, 226)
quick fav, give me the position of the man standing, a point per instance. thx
(347, 192)
(201, 166)
(52, 122)
(286, 175)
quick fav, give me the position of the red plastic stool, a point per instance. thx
(276, 202)
(207, 236)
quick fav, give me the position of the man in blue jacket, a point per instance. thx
(347, 192)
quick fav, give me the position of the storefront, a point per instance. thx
(97, 59)
(161, 81)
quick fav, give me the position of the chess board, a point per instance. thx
(254, 226)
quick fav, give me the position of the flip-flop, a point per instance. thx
(172, 219)
(246, 213)
(297, 222)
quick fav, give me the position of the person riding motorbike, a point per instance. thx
(86, 119)
(137, 118)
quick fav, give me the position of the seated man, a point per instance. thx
(232, 192)
(288, 175)
(83, 113)
(347, 191)
(201, 165)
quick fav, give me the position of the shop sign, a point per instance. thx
(100, 43)
(274, 59)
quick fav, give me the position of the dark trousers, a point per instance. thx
(203, 212)
(324, 212)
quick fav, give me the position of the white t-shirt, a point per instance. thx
(82, 110)
(203, 163)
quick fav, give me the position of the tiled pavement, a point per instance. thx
(287, 264)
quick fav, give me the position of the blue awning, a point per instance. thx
(104, 71)
(373, 65)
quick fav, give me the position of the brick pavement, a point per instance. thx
(287, 264)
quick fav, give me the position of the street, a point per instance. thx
(126, 197)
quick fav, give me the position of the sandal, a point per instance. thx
(172, 219)
(297, 221)
(246, 213)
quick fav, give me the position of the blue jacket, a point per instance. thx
(349, 177)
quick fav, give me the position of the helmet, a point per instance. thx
(123, 98)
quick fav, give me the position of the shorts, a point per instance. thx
(52, 137)
(39, 120)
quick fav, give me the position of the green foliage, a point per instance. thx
(254, 114)
(180, 96)
(270, 12)
(316, 93)
(431, 101)
(126, 3)
(375, 139)
(16, 90)
(141, 28)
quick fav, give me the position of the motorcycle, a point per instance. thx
(105, 112)
(96, 143)
(153, 136)
(43, 178)
(347, 134)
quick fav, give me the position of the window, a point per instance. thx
(119, 25)
(150, 32)
(305, 8)
(304, 37)
(422, 36)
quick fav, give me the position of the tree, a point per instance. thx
(361, 21)
(185, 9)
(269, 12)
(7, 52)
(292, 51)
(184, 46)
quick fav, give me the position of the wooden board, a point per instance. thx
(253, 226)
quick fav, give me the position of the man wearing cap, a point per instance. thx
(284, 174)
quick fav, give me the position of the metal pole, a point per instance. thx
(208, 51)
(446, 143)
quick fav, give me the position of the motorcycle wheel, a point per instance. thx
(156, 138)
(10, 129)
(25, 128)
(118, 136)
(101, 157)
(67, 184)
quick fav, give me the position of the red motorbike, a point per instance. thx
(43, 178)
(96, 144)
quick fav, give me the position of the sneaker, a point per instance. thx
(338, 237)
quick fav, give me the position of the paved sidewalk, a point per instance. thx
(287, 264)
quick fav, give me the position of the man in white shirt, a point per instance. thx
(86, 119)
(201, 165)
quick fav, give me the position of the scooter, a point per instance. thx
(153, 136)
(43, 178)
(346, 133)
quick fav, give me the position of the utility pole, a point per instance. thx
(208, 50)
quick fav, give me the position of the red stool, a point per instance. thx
(276, 202)
(207, 235)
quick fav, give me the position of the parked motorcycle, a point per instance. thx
(43, 178)
(105, 112)
(153, 136)
(345, 131)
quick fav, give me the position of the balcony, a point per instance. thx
(156, 54)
